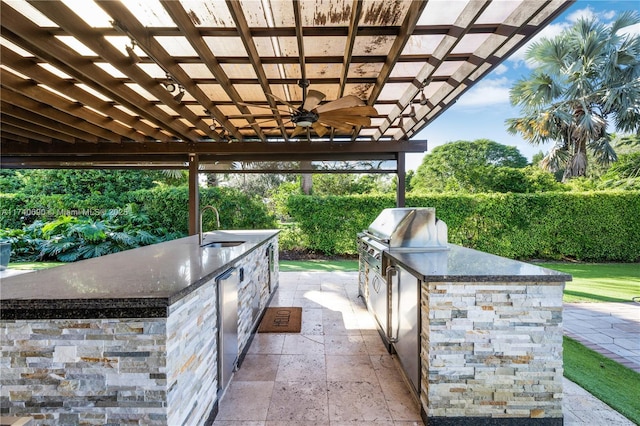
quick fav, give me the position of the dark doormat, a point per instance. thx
(281, 320)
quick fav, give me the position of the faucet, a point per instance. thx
(202, 214)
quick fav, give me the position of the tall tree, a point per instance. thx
(586, 77)
(464, 166)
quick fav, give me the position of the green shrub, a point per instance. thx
(168, 207)
(592, 226)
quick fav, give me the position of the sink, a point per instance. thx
(221, 244)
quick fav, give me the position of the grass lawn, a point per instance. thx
(599, 282)
(318, 265)
(616, 385)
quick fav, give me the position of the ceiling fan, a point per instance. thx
(341, 114)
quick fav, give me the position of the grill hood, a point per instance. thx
(412, 228)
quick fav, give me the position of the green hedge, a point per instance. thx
(593, 226)
(167, 207)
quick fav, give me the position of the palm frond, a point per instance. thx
(555, 160)
(602, 150)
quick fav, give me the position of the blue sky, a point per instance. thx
(480, 112)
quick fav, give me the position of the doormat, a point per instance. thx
(281, 320)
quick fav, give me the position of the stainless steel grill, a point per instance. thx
(402, 229)
(394, 230)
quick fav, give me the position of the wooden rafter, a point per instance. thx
(50, 50)
(254, 58)
(92, 38)
(66, 80)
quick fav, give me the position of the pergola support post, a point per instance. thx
(402, 176)
(194, 195)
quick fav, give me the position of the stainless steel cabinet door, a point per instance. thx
(406, 323)
(227, 284)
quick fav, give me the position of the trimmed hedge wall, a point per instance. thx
(593, 226)
(167, 207)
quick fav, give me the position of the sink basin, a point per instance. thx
(220, 244)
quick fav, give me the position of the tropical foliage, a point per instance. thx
(585, 78)
(71, 238)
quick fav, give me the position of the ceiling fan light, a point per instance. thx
(304, 123)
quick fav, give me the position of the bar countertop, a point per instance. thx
(136, 283)
(461, 264)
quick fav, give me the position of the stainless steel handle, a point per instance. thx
(390, 272)
(376, 283)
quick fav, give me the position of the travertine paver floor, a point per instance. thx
(336, 372)
(613, 329)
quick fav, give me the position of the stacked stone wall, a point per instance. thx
(492, 350)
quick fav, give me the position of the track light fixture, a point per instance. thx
(423, 97)
(178, 97)
(170, 85)
(131, 52)
(412, 113)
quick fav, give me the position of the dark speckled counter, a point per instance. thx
(138, 283)
(461, 264)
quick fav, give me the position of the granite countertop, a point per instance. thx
(462, 264)
(137, 283)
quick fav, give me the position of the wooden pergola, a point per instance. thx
(187, 83)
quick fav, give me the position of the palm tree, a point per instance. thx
(586, 77)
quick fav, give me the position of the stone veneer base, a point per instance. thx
(136, 371)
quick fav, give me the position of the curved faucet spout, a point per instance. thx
(204, 209)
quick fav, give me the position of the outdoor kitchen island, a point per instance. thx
(478, 336)
(491, 338)
(145, 336)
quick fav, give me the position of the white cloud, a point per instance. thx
(487, 92)
(586, 13)
(500, 69)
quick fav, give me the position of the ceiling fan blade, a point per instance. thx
(320, 129)
(312, 100)
(337, 124)
(344, 102)
(297, 131)
(258, 122)
(356, 120)
(282, 101)
(262, 106)
(365, 110)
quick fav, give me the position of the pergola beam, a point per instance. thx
(16, 149)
